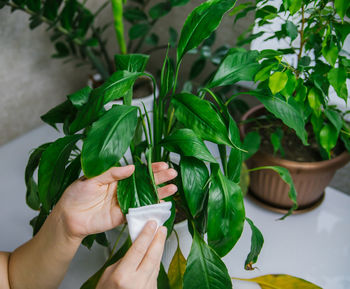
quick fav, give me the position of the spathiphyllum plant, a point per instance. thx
(297, 91)
(77, 36)
(209, 192)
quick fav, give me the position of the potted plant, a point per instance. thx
(297, 125)
(209, 193)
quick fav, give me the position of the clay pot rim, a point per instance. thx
(338, 161)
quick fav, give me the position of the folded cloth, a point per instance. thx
(138, 217)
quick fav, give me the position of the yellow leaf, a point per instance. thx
(177, 269)
(281, 281)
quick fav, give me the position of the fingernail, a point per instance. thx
(152, 225)
(163, 230)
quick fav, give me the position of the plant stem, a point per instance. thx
(117, 7)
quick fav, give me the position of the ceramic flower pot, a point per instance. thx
(310, 178)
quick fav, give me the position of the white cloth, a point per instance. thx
(138, 217)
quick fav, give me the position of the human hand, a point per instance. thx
(90, 206)
(139, 267)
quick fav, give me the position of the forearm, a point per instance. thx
(42, 262)
(4, 280)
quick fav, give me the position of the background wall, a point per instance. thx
(31, 82)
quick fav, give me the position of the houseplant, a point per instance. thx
(294, 87)
(77, 36)
(211, 199)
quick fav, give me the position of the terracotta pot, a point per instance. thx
(310, 178)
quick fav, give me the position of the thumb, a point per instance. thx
(114, 174)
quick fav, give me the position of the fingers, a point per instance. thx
(114, 174)
(135, 254)
(167, 191)
(165, 176)
(152, 259)
(160, 166)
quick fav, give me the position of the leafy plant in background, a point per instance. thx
(298, 92)
(211, 198)
(76, 36)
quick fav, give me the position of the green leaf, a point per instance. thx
(276, 141)
(32, 195)
(162, 280)
(257, 241)
(197, 67)
(187, 143)
(177, 269)
(300, 92)
(172, 37)
(204, 263)
(335, 118)
(292, 30)
(133, 14)
(292, 6)
(62, 50)
(225, 213)
(79, 98)
(314, 101)
(199, 25)
(139, 30)
(281, 281)
(38, 221)
(277, 81)
(238, 65)
(159, 10)
(195, 176)
(101, 239)
(67, 14)
(200, 116)
(51, 8)
(152, 39)
(178, 2)
(59, 114)
(328, 138)
(337, 78)
(330, 53)
(288, 90)
(91, 283)
(108, 139)
(234, 165)
(34, 5)
(286, 177)
(341, 6)
(131, 62)
(251, 143)
(137, 190)
(288, 112)
(51, 169)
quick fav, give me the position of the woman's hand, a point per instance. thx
(140, 266)
(90, 206)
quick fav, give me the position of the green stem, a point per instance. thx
(116, 242)
(117, 8)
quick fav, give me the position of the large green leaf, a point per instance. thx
(238, 65)
(108, 139)
(59, 114)
(162, 280)
(131, 62)
(177, 269)
(200, 24)
(200, 116)
(337, 78)
(80, 97)
(32, 195)
(51, 8)
(251, 144)
(257, 241)
(137, 190)
(187, 143)
(288, 112)
(204, 268)
(51, 169)
(226, 213)
(195, 176)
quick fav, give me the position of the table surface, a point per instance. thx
(314, 245)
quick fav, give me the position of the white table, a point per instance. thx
(314, 245)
